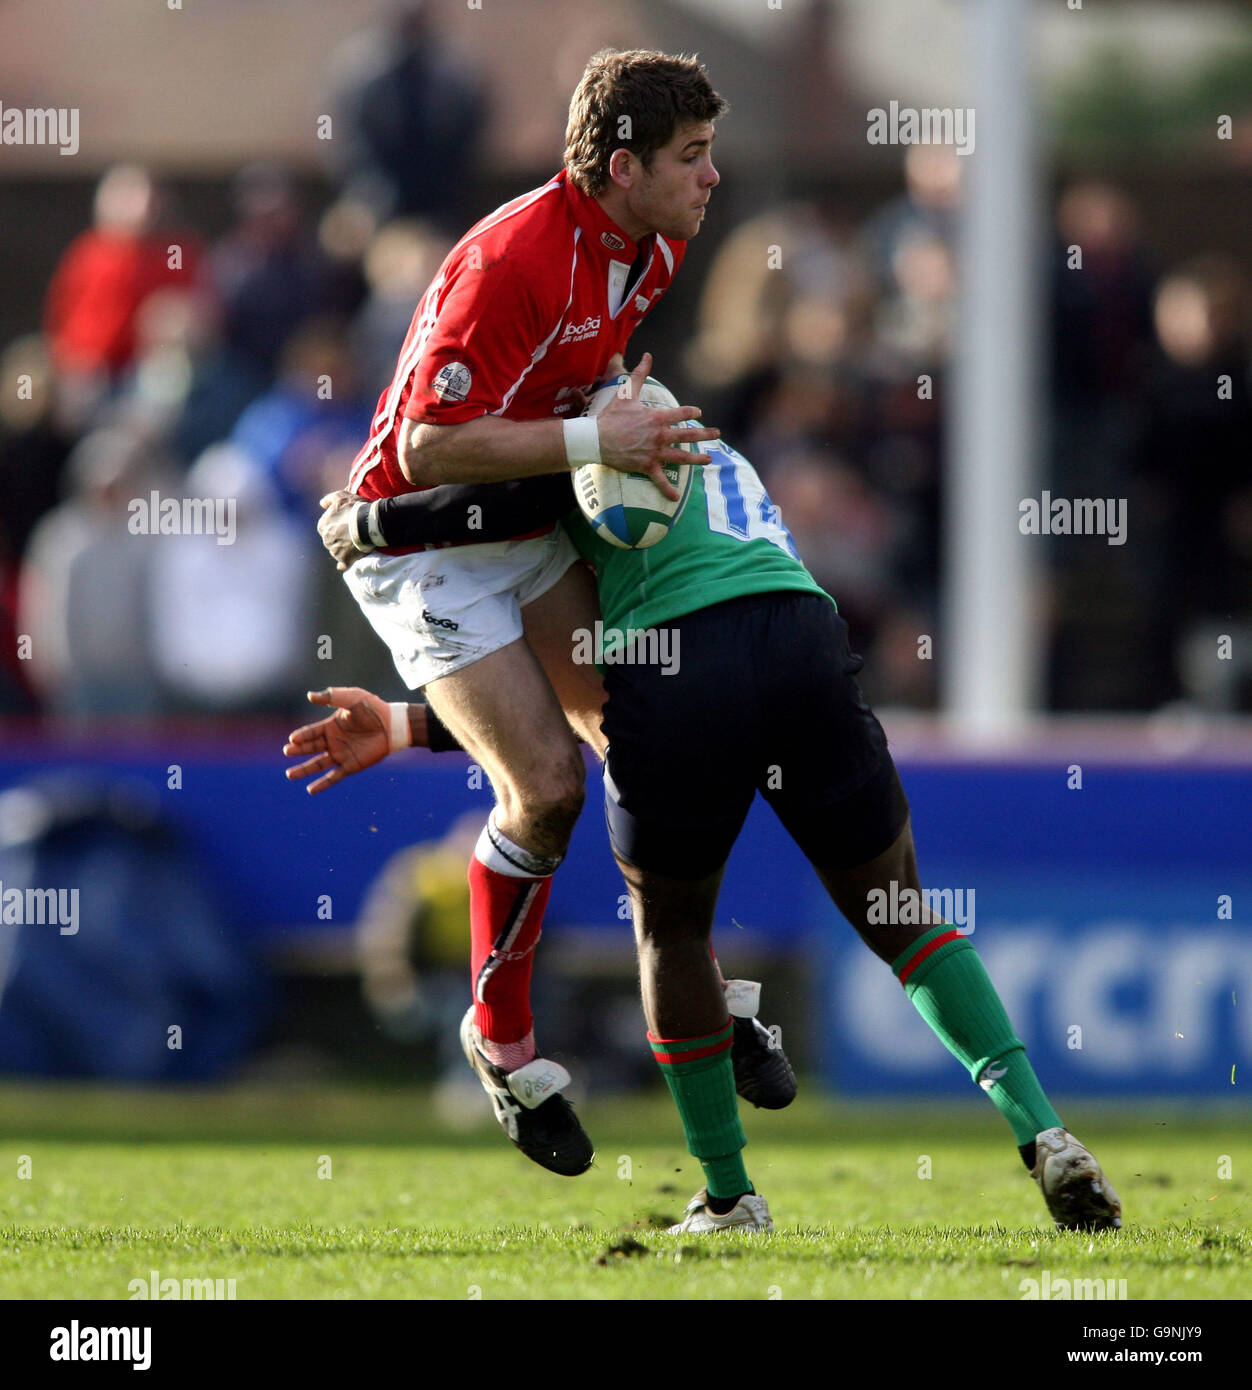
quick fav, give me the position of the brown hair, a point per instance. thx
(656, 92)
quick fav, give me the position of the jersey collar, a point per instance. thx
(599, 230)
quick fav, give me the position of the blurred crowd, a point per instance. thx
(825, 349)
(167, 369)
(247, 368)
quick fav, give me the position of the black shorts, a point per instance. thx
(762, 698)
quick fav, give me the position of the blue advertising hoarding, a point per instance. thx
(1112, 915)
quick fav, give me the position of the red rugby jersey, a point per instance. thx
(528, 307)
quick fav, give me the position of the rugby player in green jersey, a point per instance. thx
(727, 672)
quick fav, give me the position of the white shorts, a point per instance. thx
(441, 610)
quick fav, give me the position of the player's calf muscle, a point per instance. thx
(851, 889)
(682, 994)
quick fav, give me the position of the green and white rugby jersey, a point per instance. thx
(729, 541)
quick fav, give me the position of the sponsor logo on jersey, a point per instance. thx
(642, 302)
(613, 241)
(579, 332)
(447, 623)
(452, 383)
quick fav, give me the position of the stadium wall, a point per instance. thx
(1111, 914)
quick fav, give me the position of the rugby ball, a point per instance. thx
(628, 509)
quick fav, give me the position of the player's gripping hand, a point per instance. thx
(356, 736)
(634, 438)
(332, 526)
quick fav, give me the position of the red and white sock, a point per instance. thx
(509, 890)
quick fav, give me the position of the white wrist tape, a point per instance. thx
(372, 525)
(582, 441)
(401, 734)
(356, 530)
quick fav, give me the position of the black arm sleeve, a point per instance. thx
(475, 511)
(439, 738)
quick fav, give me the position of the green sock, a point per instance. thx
(950, 988)
(701, 1078)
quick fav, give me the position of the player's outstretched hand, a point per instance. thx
(333, 528)
(356, 736)
(634, 438)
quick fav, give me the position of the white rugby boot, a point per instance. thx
(750, 1213)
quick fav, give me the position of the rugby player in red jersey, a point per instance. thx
(531, 307)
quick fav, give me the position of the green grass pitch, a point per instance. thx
(358, 1194)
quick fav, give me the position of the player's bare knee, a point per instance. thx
(554, 799)
(564, 788)
(560, 813)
